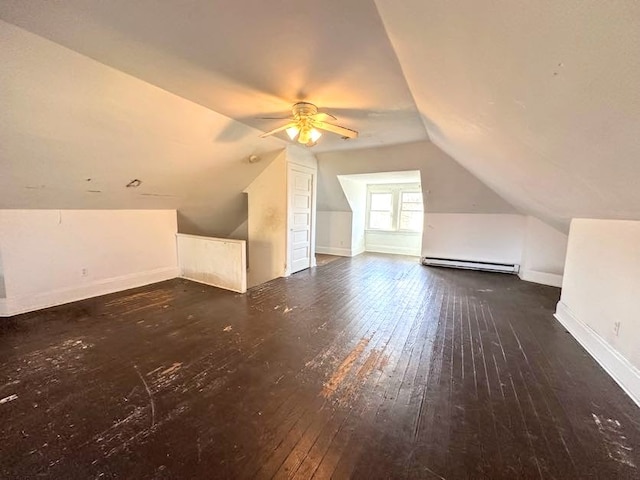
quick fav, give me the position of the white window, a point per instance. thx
(381, 211)
(394, 207)
(411, 211)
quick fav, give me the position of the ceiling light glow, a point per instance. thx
(293, 132)
(315, 135)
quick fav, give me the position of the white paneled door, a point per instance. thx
(301, 185)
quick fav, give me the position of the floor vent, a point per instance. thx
(471, 265)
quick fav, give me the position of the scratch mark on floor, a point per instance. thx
(615, 442)
(434, 473)
(14, 382)
(151, 401)
(172, 368)
(8, 399)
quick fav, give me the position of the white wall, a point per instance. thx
(220, 262)
(356, 193)
(358, 225)
(301, 156)
(268, 232)
(399, 243)
(601, 295)
(334, 233)
(543, 254)
(482, 237)
(2, 289)
(538, 248)
(241, 232)
(267, 245)
(464, 219)
(446, 187)
(58, 256)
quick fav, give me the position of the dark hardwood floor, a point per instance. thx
(371, 367)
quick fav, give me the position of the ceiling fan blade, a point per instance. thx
(274, 118)
(323, 117)
(337, 129)
(279, 129)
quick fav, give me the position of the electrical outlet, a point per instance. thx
(616, 328)
(84, 272)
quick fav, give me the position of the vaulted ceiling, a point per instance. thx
(245, 59)
(539, 100)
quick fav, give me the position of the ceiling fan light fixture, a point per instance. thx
(293, 132)
(315, 135)
(306, 125)
(305, 136)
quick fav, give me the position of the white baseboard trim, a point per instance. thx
(339, 251)
(37, 301)
(393, 250)
(618, 367)
(550, 279)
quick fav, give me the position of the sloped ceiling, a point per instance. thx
(74, 133)
(446, 186)
(540, 100)
(246, 59)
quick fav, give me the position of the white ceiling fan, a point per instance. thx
(305, 125)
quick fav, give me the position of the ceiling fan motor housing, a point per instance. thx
(304, 109)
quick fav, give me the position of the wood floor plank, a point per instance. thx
(366, 367)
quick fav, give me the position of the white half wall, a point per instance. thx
(219, 262)
(600, 297)
(494, 238)
(543, 254)
(51, 257)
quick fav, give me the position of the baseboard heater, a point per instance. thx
(471, 265)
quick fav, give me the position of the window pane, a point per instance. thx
(414, 207)
(381, 201)
(411, 221)
(413, 197)
(411, 201)
(380, 220)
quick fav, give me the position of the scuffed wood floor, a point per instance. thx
(371, 367)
